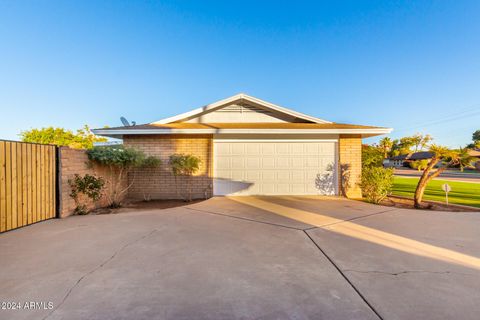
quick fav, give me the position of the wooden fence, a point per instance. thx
(27, 184)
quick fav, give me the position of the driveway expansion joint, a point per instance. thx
(97, 268)
(344, 276)
(407, 271)
(246, 219)
(356, 218)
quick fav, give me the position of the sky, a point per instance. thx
(410, 65)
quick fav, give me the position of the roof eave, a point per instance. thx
(116, 133)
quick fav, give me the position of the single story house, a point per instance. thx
(476, 154)
(250, 147)
(404, 160)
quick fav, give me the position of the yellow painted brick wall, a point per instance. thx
(159, 183)
(350, 163)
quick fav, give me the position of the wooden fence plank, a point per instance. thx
(34, 184)
(3, 204)
(39, 185)
(19, 190)
(42, 183)
(8, 177)
(24, 184)
(47, 182)
(54, 182)
(13, 164)
(28, 157)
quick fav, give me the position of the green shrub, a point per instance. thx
(119, 161)
(419, 165)
(88, 185)
(372, 156)
(185, 165)
(376, 183)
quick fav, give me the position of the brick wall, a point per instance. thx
(159, 183)
(350, 163)
(74, 161)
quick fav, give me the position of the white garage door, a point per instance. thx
(275, 167)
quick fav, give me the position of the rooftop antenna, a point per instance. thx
(126, 123)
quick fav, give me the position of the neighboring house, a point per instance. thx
(250, 147)
(396, 161)
(405, 159)
(476, 154)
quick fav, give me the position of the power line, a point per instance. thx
(468, 112)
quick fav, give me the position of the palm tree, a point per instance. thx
(449, 158)
(385, 145)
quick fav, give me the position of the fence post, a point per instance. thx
(58, 182)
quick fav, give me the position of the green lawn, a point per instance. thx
(462, 192)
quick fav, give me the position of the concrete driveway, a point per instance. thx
(247, 258)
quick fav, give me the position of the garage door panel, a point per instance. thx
(268, 188)
(274, 167)
(236, 149)
(224, 164)
(297, 188)
(283, 175)
(282, 149)
(268, 163)
(313, 162)
(311, 148)
(283, 188)
(297, 175)
(268, 149)
(297, 162)
(269, 175)
(327, 149)
(282, 163)
(237, 163)
(252, 175)
(223, 149)
(297, 148)
(253, 163)
(237, 175)
(252, 149)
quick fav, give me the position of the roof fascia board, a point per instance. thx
(240, 131)
(241, 97)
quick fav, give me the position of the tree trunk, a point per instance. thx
(424, 180)
(422, 183)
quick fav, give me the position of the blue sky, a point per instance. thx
(413, 66)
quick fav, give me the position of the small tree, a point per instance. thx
(119, 161)
(372, 156)
(89, 186)
(185, 165)
(420, 141)
(476, 140)
(82, 139)
(448, 158)
(376, 183)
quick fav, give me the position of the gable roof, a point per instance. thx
(301, 123)
(239, 98)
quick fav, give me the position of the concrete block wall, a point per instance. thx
(159, 183)
(350, 165)
(71, 162)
